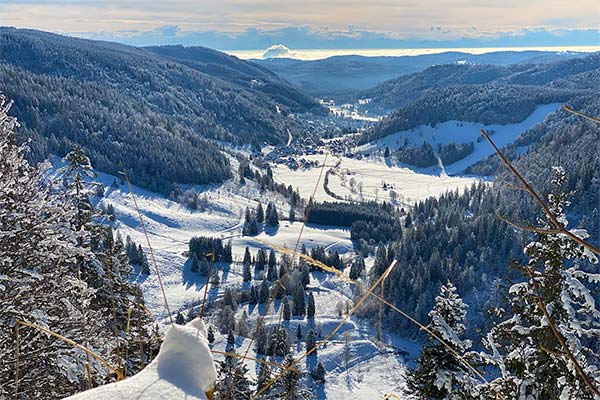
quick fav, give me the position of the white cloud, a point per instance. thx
(278, 51)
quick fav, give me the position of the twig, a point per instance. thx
(528, 228)
(553, 220)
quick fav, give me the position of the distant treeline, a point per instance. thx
(424, 156)
(370, 222)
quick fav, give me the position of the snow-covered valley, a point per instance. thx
(171, 225)
(357, 364)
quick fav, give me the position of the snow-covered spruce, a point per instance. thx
(440, 374)
(38, 283)
(183, 369)
(531, 362)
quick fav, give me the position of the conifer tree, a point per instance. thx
(439, 374)
(290, 385)
(230, 346)
(525, 347)
(287, 313)
(357, 268)
(210, 335)
(272, 273)
(204, 267)
(318, 373)
(261, 260)
(311, 341)
(310, 309)
(263, 295)
(272, 259)
(232, 381)
(242, 325)
(195, 265)
(215, 280)
(280, 345)
(299, 301)
(264, 376)
(272, 217)
(246, 273)
(260, 214)
(247, 256)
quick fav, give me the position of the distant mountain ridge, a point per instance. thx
(340, 77)
(148, 111)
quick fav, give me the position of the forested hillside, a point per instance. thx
(395, 93)
(134, 109)
(244, 73)
(484, 94)
(458, 237)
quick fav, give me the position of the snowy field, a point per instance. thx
(362, 180)
(463, 132)
(171, 225)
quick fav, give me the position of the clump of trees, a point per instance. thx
(255, 219)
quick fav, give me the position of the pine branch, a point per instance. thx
(559, 337)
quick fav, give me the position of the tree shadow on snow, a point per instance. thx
(271, 230)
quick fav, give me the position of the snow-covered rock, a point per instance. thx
(183, 369)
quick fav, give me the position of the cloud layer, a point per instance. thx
(245, 24)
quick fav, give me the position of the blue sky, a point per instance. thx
(242, 24)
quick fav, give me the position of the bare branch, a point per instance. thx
(569, 109)
(553, 220)
(528, 228)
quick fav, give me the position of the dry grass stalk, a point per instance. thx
(162, 288)
(117, 371)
